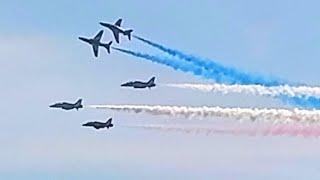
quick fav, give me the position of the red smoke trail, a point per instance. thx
(292, 130)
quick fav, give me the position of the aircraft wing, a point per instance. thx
(99, 35)
(116, 35)
(95, 50)
(118, 22)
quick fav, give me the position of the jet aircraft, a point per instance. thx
(139, 84)
(95, 42)
(68, 106)
(116, 29)
(99, 125)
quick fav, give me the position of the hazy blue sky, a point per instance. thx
(42, 62)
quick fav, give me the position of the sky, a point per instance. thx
(42, 62)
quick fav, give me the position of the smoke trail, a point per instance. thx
(216, 70)
(305, 131)
(274, 91)
(165, 61)
(307, 102)
(268, 115)
(188, 130)
(182, 66)
(301, 96)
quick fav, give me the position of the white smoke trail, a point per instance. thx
(274, 91)
(255, 114)
(283, 130)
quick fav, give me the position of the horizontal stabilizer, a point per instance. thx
(128, 33)
(107, 46)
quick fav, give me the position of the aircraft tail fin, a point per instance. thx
(78, 104)
(128, 33)
(107, 46)
(151, 82)
(109, 120)
(109, 123)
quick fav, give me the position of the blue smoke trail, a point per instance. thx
(168, 62)
(182, 66)
(305, 102)
(234, 76)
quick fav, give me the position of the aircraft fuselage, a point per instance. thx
(138, 84)
(68, 106)
(65, 106)
(113, 27)
(98, 125)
